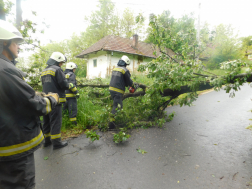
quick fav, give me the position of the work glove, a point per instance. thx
(42, 94)
(54, 95)
(78, 95)
(71, 85)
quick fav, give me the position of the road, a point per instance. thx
(204, 146)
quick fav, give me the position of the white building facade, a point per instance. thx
(101, 64)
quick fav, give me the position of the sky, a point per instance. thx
(66, 17)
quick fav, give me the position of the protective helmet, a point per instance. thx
(126, 59)
(71, 65)
(8, 32)
(58, 57)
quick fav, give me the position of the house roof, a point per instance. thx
(120, 44)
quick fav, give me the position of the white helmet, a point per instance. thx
(71, 65)
(58, 57)
(126, 59)
(8, 32)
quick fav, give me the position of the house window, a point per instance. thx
(95, 62)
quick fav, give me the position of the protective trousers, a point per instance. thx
(52, 123)
(18, 174)
(71, 106)
(117, 99)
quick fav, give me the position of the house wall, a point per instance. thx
(107, 61)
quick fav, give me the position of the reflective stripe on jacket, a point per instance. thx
(71, 78)
(20, 108)
(120, 79)
(53, 80)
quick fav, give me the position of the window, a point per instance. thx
(95, 62)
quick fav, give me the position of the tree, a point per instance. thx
(225, 46)
(129, 25)
(101, 22)
(246, 45)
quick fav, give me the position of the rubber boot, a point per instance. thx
(48, 141)
(57, 143)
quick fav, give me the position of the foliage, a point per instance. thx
(141, 151)
(246, 45)
(92, 135)
(5, 8)
(224, 46)
(121, 136)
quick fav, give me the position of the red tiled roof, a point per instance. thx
(120, 44)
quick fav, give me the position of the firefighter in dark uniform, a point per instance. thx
(119, 80)
(53, 80)
(71, 94)
(20, 108)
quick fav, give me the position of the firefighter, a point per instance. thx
(119, 80)
(53, 80)
(20, 108)
(71, 94)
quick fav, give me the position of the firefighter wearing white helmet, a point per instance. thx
(71, 94)
(119, 80)
(20, 131)
(53, 80)
(10, 34)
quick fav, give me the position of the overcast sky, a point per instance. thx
(67, 16)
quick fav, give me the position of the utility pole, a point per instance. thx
(198, 33)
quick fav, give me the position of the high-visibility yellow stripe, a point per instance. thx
(117, 90)
(55, 136)
(73, 119)
(47, 135)
(74, 89)
(23, 147)
(62, 99)
(67, 76)
(70, 95)
(48, 72)
(119, 70)
(48, 105)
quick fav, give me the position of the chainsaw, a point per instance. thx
(132, 90)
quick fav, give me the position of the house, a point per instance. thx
(104, 55)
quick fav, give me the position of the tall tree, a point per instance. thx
(101, 22)
(225, 46)
(179, 35)
(246, 45)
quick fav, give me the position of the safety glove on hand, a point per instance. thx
(71, 85)
(41, 94)
(78, 95)
(54, 95)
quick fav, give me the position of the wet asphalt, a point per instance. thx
(206, 145)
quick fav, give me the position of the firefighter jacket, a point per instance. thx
(53, 80)
(71, 78)
(20, 108)
(120, 79)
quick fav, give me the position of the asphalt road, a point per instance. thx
(205, 146)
